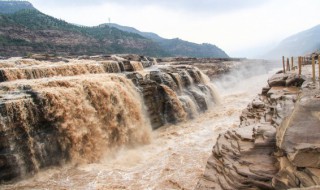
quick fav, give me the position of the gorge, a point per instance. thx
(89, 120)
(90, 104)
(127, 121)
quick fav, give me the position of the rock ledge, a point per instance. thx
(276, 145)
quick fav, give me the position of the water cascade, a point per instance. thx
(76, 112)
(175, 93)
(68, 119)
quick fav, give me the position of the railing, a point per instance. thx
(301, 61)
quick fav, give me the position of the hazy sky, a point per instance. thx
(240, 27)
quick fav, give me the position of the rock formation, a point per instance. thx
(298, 152)
(213, 67)
(276, 145)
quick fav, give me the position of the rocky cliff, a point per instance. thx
(276, 145)
(298, 143)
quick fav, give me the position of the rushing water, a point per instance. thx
(175, 158)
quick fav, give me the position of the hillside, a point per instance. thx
(176, 46)
(301, 43)
(30, 31)
(24, 30)
(7, 7)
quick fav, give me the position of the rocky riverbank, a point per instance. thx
(276, 145)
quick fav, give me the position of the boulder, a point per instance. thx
(278, 80)
(287, 79)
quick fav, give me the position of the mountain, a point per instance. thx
(176, 46)
(301, 43)
(30, 31)
(149, 35)
(7, 7)
(25, 30)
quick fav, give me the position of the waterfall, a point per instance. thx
(174, 93)
(73, 119)
(190, 106)
(136, 65)
(111, 66)
(76, 112)
(173, 109)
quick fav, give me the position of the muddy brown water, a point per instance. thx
(174, 159)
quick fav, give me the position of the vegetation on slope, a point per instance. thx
(7, 7)
(32, 31)
(176, 46)
(24, 30)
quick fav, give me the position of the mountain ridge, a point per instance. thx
(301, 43)
(25, 30)
(177, 46)
(7, 7)
(30, 31)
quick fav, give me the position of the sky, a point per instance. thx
(242, 28)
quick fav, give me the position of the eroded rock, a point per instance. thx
(299, 144)
(276, 145)
(288, 79)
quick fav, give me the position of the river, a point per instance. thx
(174, 159)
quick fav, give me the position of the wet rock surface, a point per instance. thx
(46, 65)
(276, 145)
(174, 94)
(212, 67)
